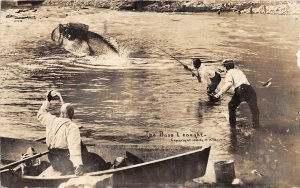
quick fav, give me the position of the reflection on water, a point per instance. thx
(118, 99)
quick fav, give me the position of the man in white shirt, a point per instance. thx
(243, 91)
(62, 138)
(209, 76)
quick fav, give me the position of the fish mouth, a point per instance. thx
(58, 34)
(69, 31)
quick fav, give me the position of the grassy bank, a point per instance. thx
(282, 8)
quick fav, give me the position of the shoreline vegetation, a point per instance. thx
(279, 8)
(197, 6)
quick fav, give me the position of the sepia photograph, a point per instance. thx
(149, 93)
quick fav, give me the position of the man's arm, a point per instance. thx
(197, 76)
(74, 145)
(226, 86)
(44, 108)
(43, 115)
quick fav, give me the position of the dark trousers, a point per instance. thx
(211, 88)
(60, 160)
(243, 93)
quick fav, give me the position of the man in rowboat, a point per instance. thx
(62, 137)
(209, 76)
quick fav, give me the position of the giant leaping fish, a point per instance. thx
(77, 39)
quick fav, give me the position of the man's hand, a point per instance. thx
(50, 97)
(217, 96)
(220, 70)
(199, 79)
(79, 170)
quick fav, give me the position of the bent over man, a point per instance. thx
(208, 75)
(243, 91)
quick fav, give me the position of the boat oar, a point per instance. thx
(3, 169)
(39, 139)
(185, 66)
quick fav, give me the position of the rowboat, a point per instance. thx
(170, 164)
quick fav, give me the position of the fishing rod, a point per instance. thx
(185, 66)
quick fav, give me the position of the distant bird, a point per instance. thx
(256, 173)
(267, 83)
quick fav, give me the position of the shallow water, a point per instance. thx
(118, 99)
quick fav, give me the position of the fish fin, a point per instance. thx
(114, 43)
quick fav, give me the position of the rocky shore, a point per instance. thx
(279, 8)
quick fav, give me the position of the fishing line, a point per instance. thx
(185, 66)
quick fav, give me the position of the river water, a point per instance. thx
(119, 99)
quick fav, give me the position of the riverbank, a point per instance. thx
(280, 8)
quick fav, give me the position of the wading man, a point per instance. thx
(243, 91)
(210, 77)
